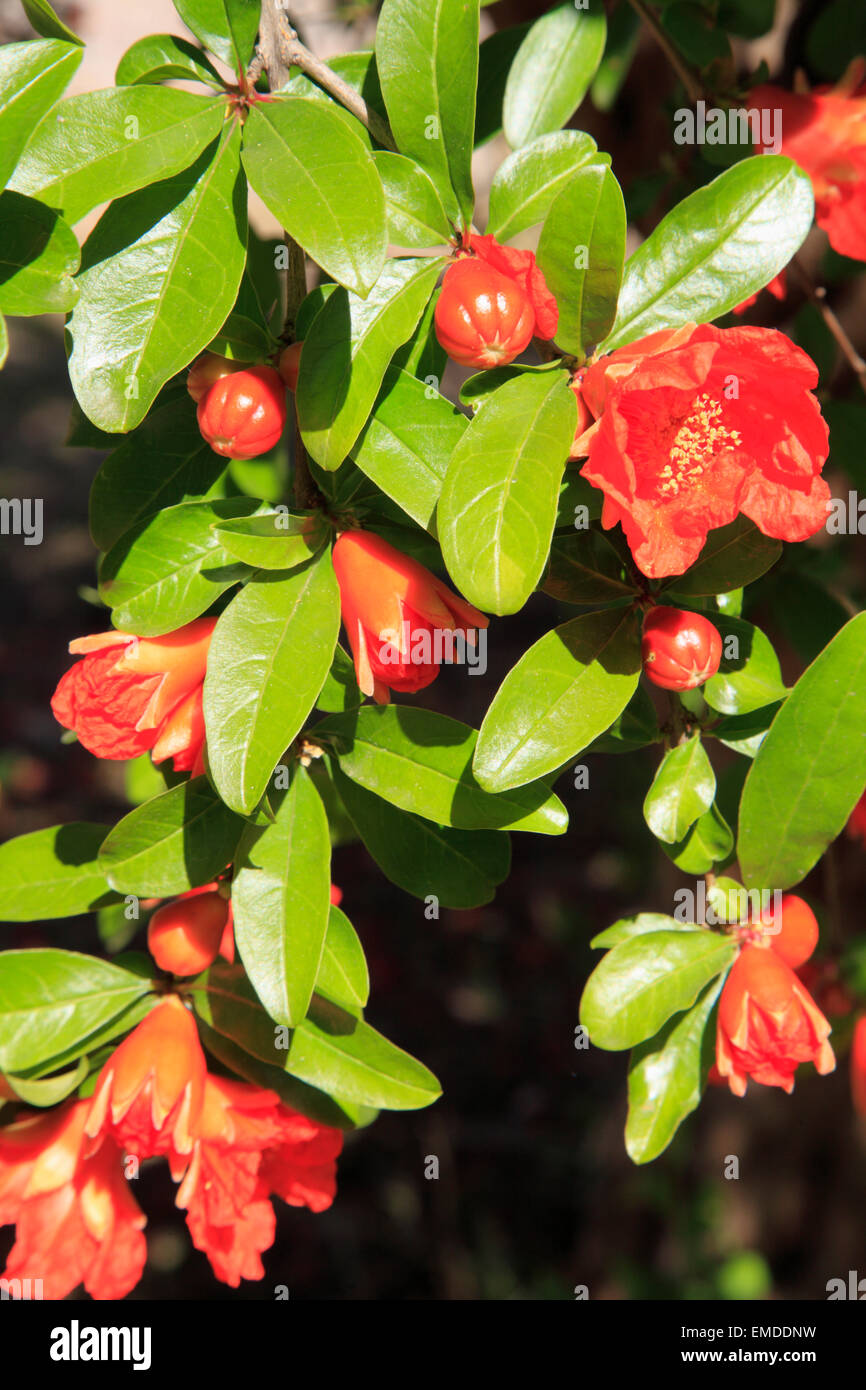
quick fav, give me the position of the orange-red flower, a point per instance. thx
(249, 1146)
(824, 131)
(131, 695)
(150, 1092)
(768, 1022)
(697, 424)
(75, 1217)
(393, 608)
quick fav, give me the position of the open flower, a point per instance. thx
(768, 1021)
(150, 1092)
(75, 1217)
(824, 131)
(697, 424)
(130, 695)
(393, 608)
(249, 1146)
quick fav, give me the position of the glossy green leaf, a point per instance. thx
(639, 925)
(422, 762)
(269, 657)
(170, 567)
(32, 77)
(162, 463)
(48, 1090)
(52, 873)
(721, 244)
(581, 252)
(527, 183)
(710, 841)
(334, 207)
(162, 57)
(553, 69)
(461, 868)
(498, 505)
(281, 900)
(495, 57)
(682, 790)
(227, 27)
(811, 768)
(347, 351)
(159, 276)
(45, 21)
(744, 733)
(101, 145)
(749, 676)
(585, 568)
(564, 691)
(277, 540)
(427, 58)
(343, 975)
(636, 727)
(38, 258)
(643, 981)
(666, 1077)
(178, 840)
(49, 1000)
(416, 216)
(407, 443)
(242, 340)
(734, 555)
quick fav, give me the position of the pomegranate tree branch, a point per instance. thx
(683, 72)
(818, 296)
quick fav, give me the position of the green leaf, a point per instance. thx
(414, 208)
(527, 183)
(52, 873)
(48, 1090)
(340, 691)
(498, 505)
(462, 868)
(581, 252)
(227, 27)
(318, 179)
(159, 275)
(277, 540)
(636, 727)
(733, 556)
(45, 21)
(269, 656)
(682, 790)
(751, 678)
(163, 57)
(347, 351)
(422, 762)
(643, 922)
(178, 840)
(495, 57)
(407, 442)
(585, 568)
(643, 981)
(101, 145)
(553, 69)
(564, 691)
(32, 76)
(343, 975)
(242, 340)
(666, 1077)
(170, 567)
(38, 258)
(162, 463)
(332, 1049)
(715, 248)
(710, 841)
(50, 1000)
(427, 58)
(811, 768)
(281, 900)
(745, 733)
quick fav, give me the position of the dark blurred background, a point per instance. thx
(535, 1193)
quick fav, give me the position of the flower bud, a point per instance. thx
(679, 650)
(243, 414)
(184, 936)
(482, 318)
(289, 365)
(206, 371)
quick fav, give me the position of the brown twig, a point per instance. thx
(683, 72)
(818, 296)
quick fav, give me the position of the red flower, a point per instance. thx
(393, 608)
(768, 1022)
(858, 1066)
(249, 1146)
(493, 299)
(75, 1217)
(825, 133)
(696, 425)
(150, 1092)
(144, 697)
